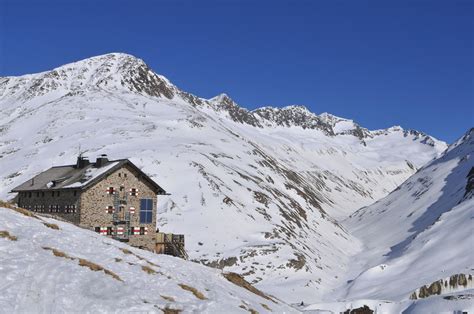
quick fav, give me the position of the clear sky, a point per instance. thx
(381, 62)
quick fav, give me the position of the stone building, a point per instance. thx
(113, 197)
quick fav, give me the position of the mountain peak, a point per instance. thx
(112, 71)
(222, 98)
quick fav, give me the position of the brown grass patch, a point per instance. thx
(114, 275)
(266, 307)
(148, 270)
(128, 252)
(194, 291)
(58, 253)
(6, 205)
(95, 267)
(238, 280)
(92, 266)
(52, 226)
(151, 264)
(19, 209)
(125, 251)
(83, 263)
(167, 298)
(5, 234)
(167, 310)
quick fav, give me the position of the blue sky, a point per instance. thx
(381, 63)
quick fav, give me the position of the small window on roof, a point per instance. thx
(75, 193)
(120, 174)
(124, 175)
(29, 194)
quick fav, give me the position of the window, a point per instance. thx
(109, 209)
(110, 190)
(122, 188)
(109, 230)
(124, 175)
(57, 193)
(52, 194)
(133, 192)
(97, 229)
(120, 174)
(29, 194)
(72, 208)
(75, 193)
(37, 194)
(146, 211)
(42, 194)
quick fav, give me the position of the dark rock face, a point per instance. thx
(220, 264)
(236, 113)
(426, 139)
(470, 184)
(141, 79)
(361, 310)
(437, 287)
(293, 116)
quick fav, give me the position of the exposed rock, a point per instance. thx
(361, 310)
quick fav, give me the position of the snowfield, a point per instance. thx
(36, 279)
(418, 235)
(271, 194)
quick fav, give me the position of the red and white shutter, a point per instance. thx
(103, 230)
(132, 210)
(146, 230)
(120, 230)
(110, 190)
(136, 230)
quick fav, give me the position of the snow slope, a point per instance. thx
(418, 235)
(256, 192)
(36, 279)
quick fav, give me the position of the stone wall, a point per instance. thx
(95, 200)
(55, 202)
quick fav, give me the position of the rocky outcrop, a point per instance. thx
(450, 284)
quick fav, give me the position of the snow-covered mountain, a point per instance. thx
(49, 266)
(418, 241)
(257, 192)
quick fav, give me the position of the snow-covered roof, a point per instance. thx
(72, 177)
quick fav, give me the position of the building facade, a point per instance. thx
(114, 198)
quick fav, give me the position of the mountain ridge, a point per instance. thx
(134, 74)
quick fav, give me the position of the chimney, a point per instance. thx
(101, 161)
(82, 162)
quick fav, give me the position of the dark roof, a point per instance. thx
(71, 177)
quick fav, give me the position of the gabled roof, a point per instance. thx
(71, 177)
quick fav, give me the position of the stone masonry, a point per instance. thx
(95, 201)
